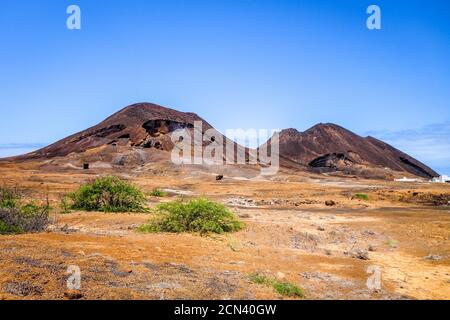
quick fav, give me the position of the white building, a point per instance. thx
(441, 179)
(405, 179)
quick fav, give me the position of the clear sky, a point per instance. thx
(237, 63)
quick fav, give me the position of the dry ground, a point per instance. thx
(290, 234)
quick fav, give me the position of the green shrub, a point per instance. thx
(64, 203)
(361, 196)
(259, 279)
(199, 215)
(108, 194)
(158, 193)
(283, 288)
(18, 216)
(392, 243)
(9, 198)
(27, 218)
(288, 289)
(7, 229)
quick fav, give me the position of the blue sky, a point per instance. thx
(238, 64)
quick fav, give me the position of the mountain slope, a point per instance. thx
(141, 133)
(136, 135)
(329, 147)
(143, 125)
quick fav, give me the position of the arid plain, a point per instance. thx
(308, 229)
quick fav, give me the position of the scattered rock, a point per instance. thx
(372, 248)
(64, 229)
(23, 289)
(219, 177)
(368, 233)
(241, 202)
(115, 269)
(280, 275)
(304, 240)
(73, 295)
(359, 254)
(320, 228)
(181, 267)
(328, 278)
(330, 203)
(434, 257)
(164, 285)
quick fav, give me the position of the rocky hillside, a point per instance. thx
(329, 147)
(141, 133)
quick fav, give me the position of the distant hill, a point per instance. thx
(329, 147)
(140, 133)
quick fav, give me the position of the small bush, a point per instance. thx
(361, 196)
(288, 289)
(392, 243)
(9, 198)
(158, 193)
(199, 215)
(283, 288)
(7, 229)
(64, 203)
(28, 218)
(108, 194)
(259, 279)
(18, 216)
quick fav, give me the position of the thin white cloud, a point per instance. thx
(21, 145)
(430, 144)
(16, 149)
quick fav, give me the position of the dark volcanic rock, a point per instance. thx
(329, 147)
(141, 131)
(143, 125)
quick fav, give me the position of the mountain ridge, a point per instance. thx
(328, 146)
(143, 129)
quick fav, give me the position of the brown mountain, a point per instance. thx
(329, 147)
(142, 125)
(140, 133)
(137, 134)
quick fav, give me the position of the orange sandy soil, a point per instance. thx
(290, 234)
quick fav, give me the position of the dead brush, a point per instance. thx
(16, 216)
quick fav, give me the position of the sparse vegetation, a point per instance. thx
(8, 229)
(361, 196)
(392, 243)
(64, 203)
(108, 194)
(158, 193)
(9, 198)
(286, 289)
(259, 279)
(17, 216)
(198, 215)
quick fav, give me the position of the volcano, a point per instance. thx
(141, 133)
(137, 134)
(142, 125)
(331, 148)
